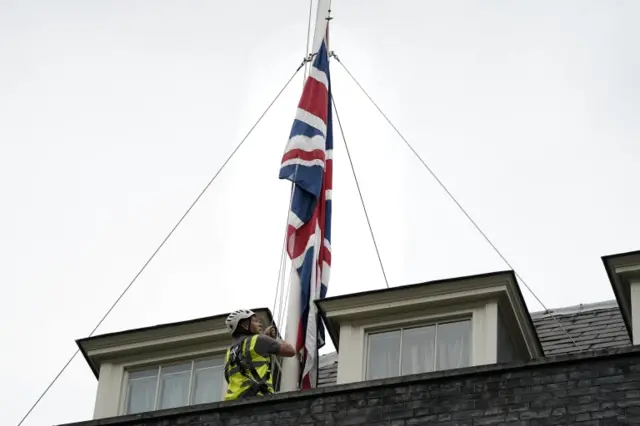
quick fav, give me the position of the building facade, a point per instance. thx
(462, 351)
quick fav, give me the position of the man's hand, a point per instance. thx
(271, 331)
(286, 349)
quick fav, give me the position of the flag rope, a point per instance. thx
(442, 185)
(355, 177)
(153, 255)
(306, 46)
(281, 296)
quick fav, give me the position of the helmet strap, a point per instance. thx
(244, 327)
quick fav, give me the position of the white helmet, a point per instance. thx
(235, 317)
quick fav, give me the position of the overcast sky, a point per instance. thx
(114, 114)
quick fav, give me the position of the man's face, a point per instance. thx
(256, 325)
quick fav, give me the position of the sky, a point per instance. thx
(115, 114)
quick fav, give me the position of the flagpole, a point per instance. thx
(291, 366)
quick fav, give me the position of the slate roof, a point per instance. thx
(592, 326)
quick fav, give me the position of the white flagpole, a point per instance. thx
(291, 366)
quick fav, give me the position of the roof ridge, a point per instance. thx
(575, 309)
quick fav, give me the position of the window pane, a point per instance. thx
(418, 350)
(454, 344)
(384, 355)
(211, 362)
(141, 391)
(174, 386)
(207, 385)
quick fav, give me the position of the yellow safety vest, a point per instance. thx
(241, 370)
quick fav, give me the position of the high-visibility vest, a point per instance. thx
(247, 372)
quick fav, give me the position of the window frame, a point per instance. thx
(156, 364)
(352, 360)
(406, 325)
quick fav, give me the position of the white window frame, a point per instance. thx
(157, 362)
(157, 367)
(410, 325)
(352, 354)
(276, 372)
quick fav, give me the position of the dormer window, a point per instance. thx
(418, 349)
(435, 326)
(164, 366)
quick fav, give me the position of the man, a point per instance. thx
(248, 363)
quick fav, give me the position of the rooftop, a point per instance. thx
(505, 335)
(592, 326)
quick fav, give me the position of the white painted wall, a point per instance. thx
(109, 390)
(352, 344)
(484, 334)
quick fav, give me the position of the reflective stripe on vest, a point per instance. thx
(239, 383)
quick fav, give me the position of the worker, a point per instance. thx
(248, 362)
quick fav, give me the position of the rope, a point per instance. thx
(163, 242)
(284, 300)
(279, 302)
(484, 235)
(306, 46)
(364, 207)
(281, 289)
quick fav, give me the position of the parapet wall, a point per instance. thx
(595, 388)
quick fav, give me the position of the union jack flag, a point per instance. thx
(308, 164)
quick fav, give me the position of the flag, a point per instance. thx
(308, 164)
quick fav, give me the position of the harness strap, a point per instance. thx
(241, 362)
(236, 368)
(251, 366)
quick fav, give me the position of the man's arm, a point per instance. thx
(266, 345)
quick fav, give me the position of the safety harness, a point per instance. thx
(240, 360)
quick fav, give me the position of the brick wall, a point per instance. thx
(600, 388)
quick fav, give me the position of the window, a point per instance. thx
(415, 350)
(175, 385)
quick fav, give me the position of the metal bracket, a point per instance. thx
(308, 59)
